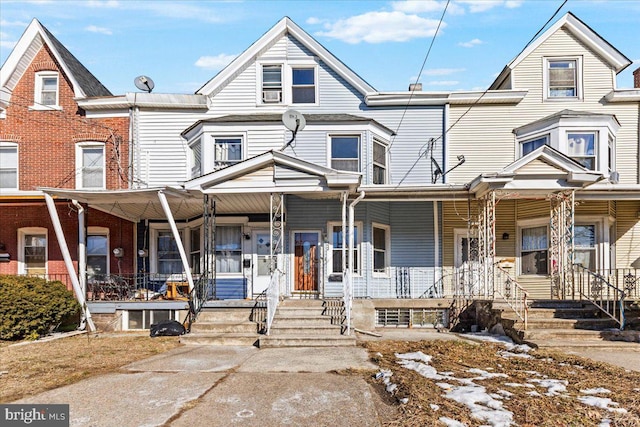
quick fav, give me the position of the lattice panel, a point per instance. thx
(277, 228)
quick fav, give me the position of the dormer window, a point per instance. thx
(46, 94)
(271, 84)
(227, 151)
(562, 78)
(581, 147)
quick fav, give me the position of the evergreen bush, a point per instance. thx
(31, 307)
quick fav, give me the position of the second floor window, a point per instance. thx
(196, 159)
(303, 90)
(227, 151)
(533, 144)
(379, 163)
(272, 84)
(345, 153)
(91, 166)
(46, 89)
(8, 167)
(562, 79)
(582, 148)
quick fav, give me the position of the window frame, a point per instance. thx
(11, 145)
(330, 157)
(103, 232)
(375, 163)
(220, 164)
(547, 61)
(239, 251)
(22, 233)
(80, 168)
(387, 250)
(314, 69)
(536, 223)
(264, 87)
(38, 103)
(545, 137)
(357, 247)
(596, 142)
(594, 249)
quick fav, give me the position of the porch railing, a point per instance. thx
(137, 286)
(595, 288)
(508, 289)
(201, 292)
(273, 298)
(626, 279)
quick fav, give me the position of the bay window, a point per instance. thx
(345, 153)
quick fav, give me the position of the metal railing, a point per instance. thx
(201, 292)
(137, 286)
(626, 279)
(259, 312)
(273, 298)
(507, 288)
(595, 288)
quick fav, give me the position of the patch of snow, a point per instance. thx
(418, 355)
(606, 422)
(505, 393)
(404, 400)
(481, 405)
(486, 375)
(508, 354)
(391, 388)
(554, 387)
(434, 407)
(449, 422)
(534, 393)
(602, 403)
(599, 390)
(519, 385)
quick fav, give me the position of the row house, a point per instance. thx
(287, 176)
(47, 140)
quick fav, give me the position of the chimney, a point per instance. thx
(417, 87)
(636, 78)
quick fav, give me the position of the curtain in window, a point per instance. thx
(534, 239)
(8, 167)
(92, 161)
(228, 249)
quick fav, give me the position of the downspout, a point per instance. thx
(82, 248)
(55, 219)
(437, 272)
(351, 263)
(176, 235)
(344, 198)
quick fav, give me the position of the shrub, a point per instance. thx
(31, 307)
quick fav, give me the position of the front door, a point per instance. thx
(261, 260)
(305, 263)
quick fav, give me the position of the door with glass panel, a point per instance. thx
(261, 260)
(534, 250)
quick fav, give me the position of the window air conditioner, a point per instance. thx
(271, 95)
(614, 177)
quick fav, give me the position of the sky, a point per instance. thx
(183, 44)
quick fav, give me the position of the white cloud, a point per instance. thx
(103, 4)
(443, 83)
(476, 6)
(99, 30)
(442, 71)
(379, 27)
(217, 62)
(426, 6)
(313, 21)
(19, 24)
(471, 43)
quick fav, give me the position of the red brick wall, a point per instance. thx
(35, 214)
(46, 139)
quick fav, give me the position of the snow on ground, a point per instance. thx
(489, 407)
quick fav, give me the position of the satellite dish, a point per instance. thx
(294, 121)
(144, 83)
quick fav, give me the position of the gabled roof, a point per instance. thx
(583, 33)
(282, 171)
(35, 36)
(282, 28)
(544, 169)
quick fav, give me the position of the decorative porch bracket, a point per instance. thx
(68, 262)
(562, 206)
(277, 236)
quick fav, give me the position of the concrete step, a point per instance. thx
(301, 320)
(558, 304)
(305, 330)
(301, 303)
(224, 315)
(592, 323)
(224, 327)
(300, 311)
(562, 334)
(271, 341)
(203, 338)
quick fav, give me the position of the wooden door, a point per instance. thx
(306, 256)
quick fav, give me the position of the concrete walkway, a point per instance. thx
(225, 385)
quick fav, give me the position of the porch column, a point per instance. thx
(176, 235)
(277, 234)
(562, 207)
(209, 247)
(487, 240)
(68, 262)
(82, 247)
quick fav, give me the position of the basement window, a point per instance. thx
(411, 317)
(143, 319)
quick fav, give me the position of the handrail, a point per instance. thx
(197, 298)
(273, 298)
(259, 312)
(596, 289)
(512, 293)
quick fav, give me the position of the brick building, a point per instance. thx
(47, 140)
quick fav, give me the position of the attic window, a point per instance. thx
(562, 79)
(303, 90)
(47, 91)
(271, 84)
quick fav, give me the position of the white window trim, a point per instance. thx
(330, 137)
(154, 230)
(286, 81)
(376, 140)
(531, 223)
(80, 146)
(173, 315)
(357, 243)
(523, 141)
(197, 140)
(211, 154)
(545, 79)
(101, 231)
(4, 144)
(232, 223)
(603, 238)
(596, 146)
(22, 269)
(387, 257)
(37, 95)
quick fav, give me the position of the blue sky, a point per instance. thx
(182, 44)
